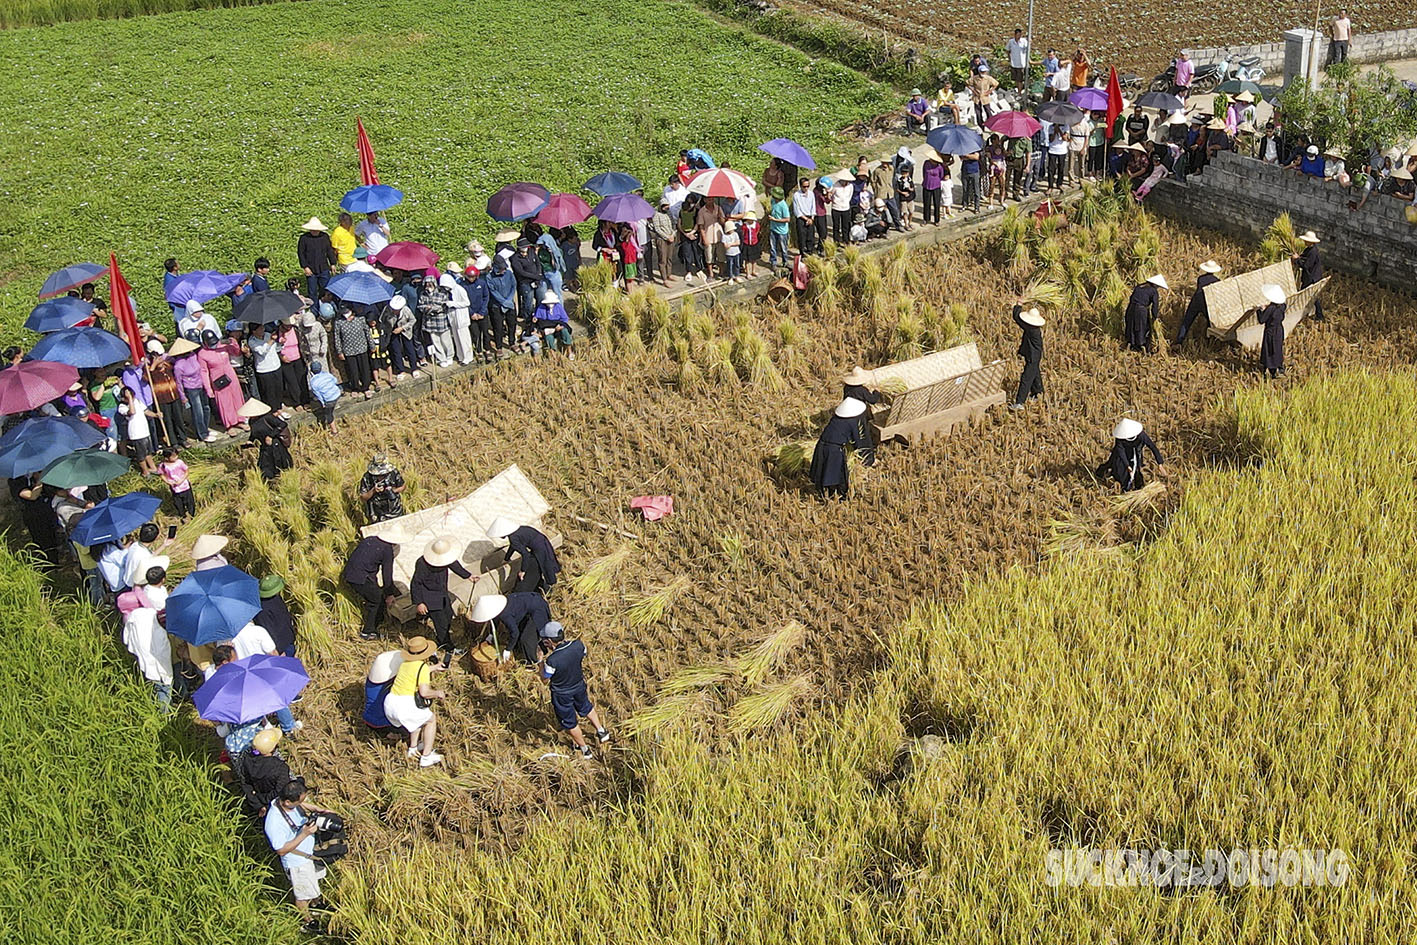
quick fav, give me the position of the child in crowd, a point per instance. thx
(325, 390)
(947, 196)
(732, 252)
(174, 472)
(750, 232)
(629, 256)
(379, 369)
(138, 431)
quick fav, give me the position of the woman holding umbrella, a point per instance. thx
(219, 382)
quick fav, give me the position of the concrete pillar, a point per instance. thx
(1304, 52)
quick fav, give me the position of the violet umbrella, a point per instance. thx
(785, 149)
(623, 208)
(249, 688)
(1013, 124)
(32, 384)
(1091, 99)
(563, 210)
(409, 256)
(71, 277)
(517, 202)
(203, 286)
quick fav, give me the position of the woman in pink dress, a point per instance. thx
(226, 394)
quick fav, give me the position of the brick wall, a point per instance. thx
(1366, 47)
(1241, 197)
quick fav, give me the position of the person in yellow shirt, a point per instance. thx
(342, 239)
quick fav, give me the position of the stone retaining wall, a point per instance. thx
(1366, 47)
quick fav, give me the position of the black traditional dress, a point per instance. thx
(1030, 348)
(1198, 306)
(828, 470)
(1125, 463)
(272, 455)
(539, 566)
(1142, 308)
(1272, 344)
(1311, 270)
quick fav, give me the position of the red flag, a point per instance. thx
(123, 309)
(1114, 104)
(367, 174)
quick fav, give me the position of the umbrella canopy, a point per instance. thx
(1013, 124)
(370, 198)
(785, 149)
(1092, 99)
(113, 518)
(82, 347)
(613, 182)
(91, 467)
(57, 314)
(623, 208)
(699, 154)
(246, 689)
(258, 308)
(1162, 100)
(515, 202)
(39, 441)
(563, 210)
(1060, 113)
(203, 286)
(1236, 86)
(409, 256)
(362, 288)
(212, 605)
(955, 139)
(31, 384)
(722, 182)
(71, 277)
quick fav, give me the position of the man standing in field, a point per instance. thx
(562, 669)
(1341, 31)
(804, 209)
(1018, 60)
(316, 256)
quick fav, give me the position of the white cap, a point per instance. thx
(1273, 293)
(850, 407)
(1126, 429)
(1158, 280)
(398, 303)
(500, 528)
(193, 307)
(487, 607)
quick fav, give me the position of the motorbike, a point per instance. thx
(1208, 75)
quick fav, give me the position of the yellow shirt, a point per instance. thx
(344, 243)
(406, 682)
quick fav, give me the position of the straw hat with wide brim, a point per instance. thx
(208, 545)
(1159, 281)
(857, 376)
(1210, 266)
(1033, 317)
(182, 346)
(313, 225)
(850, 407)
(266, 740)
(1310, 237)
(1179, 118)
(1215, 124)
(1401, 173)
(253, 408)
(500, 528)
(1273, 293)
(506, 236)
(418, 648)
(441, 551)
(1126, 429)
(487, 607)
(156, 561)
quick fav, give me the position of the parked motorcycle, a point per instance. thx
(1204, 79)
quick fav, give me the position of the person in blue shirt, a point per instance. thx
(171, 273)
(562, 669)
(484, 340)
(553, 324)
(502, 308)
(290, 830)
(260, 278)
(325, 389)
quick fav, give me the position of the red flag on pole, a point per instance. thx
(1114, 103)
(367, 174)
(123, 309)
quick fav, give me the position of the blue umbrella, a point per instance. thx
(53, 427)
(82, 348)
(955, 139)
(57, 314)
(113, 518)
(785, 149)
(363, 288)
(203, 286)
(370, 198)
(699, 154)
(246, 689)
(613, 182)
(213, 605)
(71, 277)
(39, 441)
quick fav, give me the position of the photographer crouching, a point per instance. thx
(307, 839)
(381, 490)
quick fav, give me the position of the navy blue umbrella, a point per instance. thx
(57, 314)
(613, 182)
(212, 605)
(955, 139)
(53, 427)
(113, 518)
(71, 277)
(364, 288)
(371, 198)
(39, 441)
(82, 348)
(203, 285)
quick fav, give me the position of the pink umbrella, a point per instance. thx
(722, 182)
(563, 210)
(31, 384)
(1012, 124)
(409, 256)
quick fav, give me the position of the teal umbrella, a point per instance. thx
(84, 468)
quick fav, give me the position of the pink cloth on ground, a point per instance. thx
(654, 507)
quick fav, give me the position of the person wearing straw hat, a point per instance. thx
(1143, 308)
(1271, 316)
(428, 588)
(381, 489)
(562, 669)
(274, 616)
(1210, 274)
(829, 471)
(316, 255)
(1125, 463)
(260, 771)
(412, 686)
(1311, 267)
(553, 323)
(538, 567)
(369, 572)
(206, 552)
(522, 615)
(270, 435)
(857, 383)
(1030, 348)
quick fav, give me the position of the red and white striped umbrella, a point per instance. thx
(722, 182)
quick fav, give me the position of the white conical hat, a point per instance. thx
(208, 545)
(1033, 317)
(1126, 429)
(1273, 293)
(857, 376)
(500, 528)
(1158, 280)
(1310, 236)
(253, 408)
(487, 607)
(314, 225)
(850, 407)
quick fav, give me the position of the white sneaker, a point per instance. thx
(688, 278)
(210, 438)
(295, 728)
(415, 753)
(430, 759)
(417, 373)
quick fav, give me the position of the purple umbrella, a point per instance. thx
(71, 277)
(785, 149)
(203, 286)
(31, 384)
(623, 208)
(1090, 98)
(519, 201)
(246, 689)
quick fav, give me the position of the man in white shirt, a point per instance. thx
(804, 211)
(265, 350)
(373, 233)
(140, 556)
(674, 194)
(841, 210)
(1342, 32)
(196, 320)
(251, 640)
(1018, 60)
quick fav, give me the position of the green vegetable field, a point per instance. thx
(211, 136)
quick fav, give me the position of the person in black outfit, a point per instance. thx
(522, 615)
(1125, 463)
(261, 772)
(538, 567)
(1030, 348)
(370, 574)
(268, 434)
(274, 616)
(527, 268)
(1272, 318)
(1198, 307)
(381, 489)
(1311, 269)
(316, 256)
(829, 470)
(37, 512)
(429, 589)
(1142, 309)
(856, 385)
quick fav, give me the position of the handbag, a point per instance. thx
(221, 382)
(418, 698)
